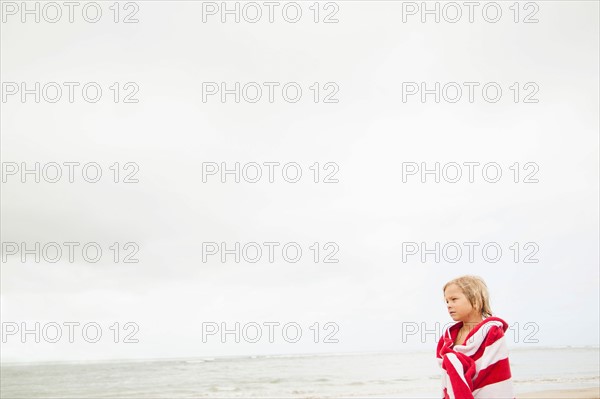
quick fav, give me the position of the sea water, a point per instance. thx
(377, 375)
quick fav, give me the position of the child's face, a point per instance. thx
(458, 305)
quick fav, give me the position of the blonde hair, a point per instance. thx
(476, 292)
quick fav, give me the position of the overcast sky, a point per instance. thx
(370, 293)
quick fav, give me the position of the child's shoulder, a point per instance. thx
(494, 321)
(493, 327)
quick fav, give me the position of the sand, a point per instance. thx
(584, 393)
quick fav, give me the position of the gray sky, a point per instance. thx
(371, 294)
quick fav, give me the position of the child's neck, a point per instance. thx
(471, 322)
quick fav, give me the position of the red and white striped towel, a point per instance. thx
(479, 369)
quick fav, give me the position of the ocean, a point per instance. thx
(376, 375)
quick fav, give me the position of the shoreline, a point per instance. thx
(578, 393)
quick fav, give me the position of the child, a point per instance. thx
(472, 352)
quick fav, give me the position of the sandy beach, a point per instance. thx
(584, 393)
